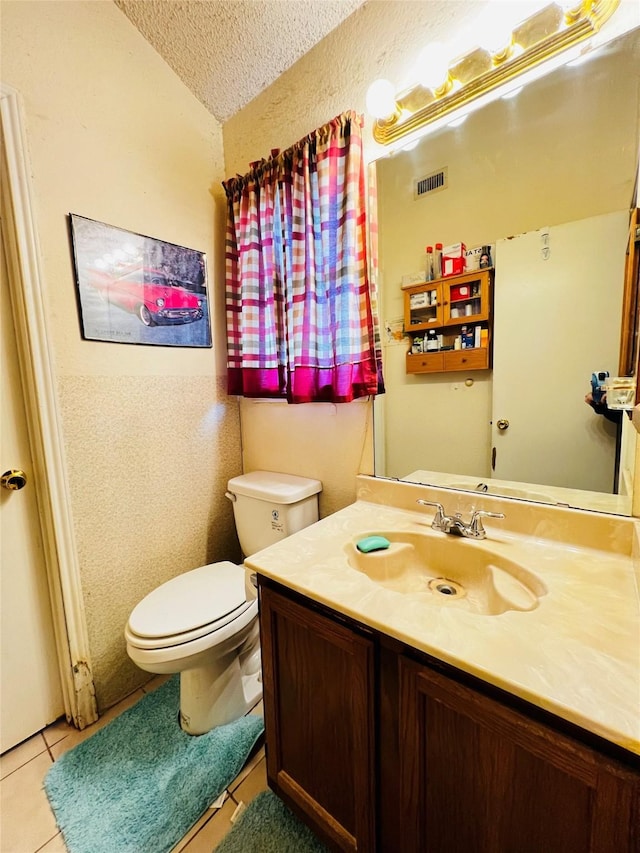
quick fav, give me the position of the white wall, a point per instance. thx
(150, 436)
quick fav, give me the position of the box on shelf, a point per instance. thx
(479, 257)
(419, 300)
(468, 337)
(472, 258)
(453, 259)
(460, 291)
(413, 279)
(452, 266)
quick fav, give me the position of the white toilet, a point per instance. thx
(204, 623)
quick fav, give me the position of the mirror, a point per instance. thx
(554, 167)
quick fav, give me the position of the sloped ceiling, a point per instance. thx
(228, 51)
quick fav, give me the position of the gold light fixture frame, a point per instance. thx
(538, 39)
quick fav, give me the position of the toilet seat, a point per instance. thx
(190, 606)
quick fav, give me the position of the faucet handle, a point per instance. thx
(476, 526)
(438, 518)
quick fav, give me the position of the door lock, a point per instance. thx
(502, 424)
(13, 480)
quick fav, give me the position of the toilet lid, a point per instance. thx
(191, 601)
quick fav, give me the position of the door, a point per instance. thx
(479, 777)
(29, 679)
(550, 435)
(319, 719)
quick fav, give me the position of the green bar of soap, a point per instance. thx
(373, 543)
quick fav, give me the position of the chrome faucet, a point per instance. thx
(455, 526)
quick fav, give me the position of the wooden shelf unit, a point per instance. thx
(445, 306)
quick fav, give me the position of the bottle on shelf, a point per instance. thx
(429, 271)
(437, 261)
(432, 342)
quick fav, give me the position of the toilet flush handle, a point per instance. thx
(230, 495)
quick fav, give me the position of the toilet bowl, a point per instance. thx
(203, 624)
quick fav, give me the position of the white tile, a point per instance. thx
(156, 681)
(56, 845)
(253, 762)
(57, 731)
(19, 755)
(210, 812)
(254, 782)
(27, 820)
(258, 709)
(74, 736)
(212, 832)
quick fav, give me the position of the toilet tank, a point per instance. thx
(268, 507)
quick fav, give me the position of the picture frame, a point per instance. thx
(135, 289)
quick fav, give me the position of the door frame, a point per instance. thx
(26, 285)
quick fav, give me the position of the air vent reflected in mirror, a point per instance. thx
(430, 183)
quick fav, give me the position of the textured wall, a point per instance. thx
(200, 42)
(150, 436)
(379, 39)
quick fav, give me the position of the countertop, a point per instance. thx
(577, 654)
(577, 498)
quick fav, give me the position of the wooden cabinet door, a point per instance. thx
(423, 307)
(478, 777)
(466, 298)
(319, 719)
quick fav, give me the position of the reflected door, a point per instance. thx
(558, 293)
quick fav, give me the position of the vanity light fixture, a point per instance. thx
(512, 94)
(449, 90)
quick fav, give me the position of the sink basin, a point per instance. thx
(449, 571)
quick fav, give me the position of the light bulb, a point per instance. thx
(433, 66)
(381, 99)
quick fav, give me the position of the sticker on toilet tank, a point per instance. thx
(276, 524)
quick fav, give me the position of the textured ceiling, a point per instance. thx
(228, 51)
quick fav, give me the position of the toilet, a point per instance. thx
(204, 623)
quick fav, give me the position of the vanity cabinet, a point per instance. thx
(379, 747)
(477, 775)
(319, 703)
(443, 307)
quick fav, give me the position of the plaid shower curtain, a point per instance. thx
(301, 311)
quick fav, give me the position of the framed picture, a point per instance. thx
(138, 290)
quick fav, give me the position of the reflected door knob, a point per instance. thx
(502, 424)
(13, 480)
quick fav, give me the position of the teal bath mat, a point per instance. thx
(140, 783)
(267, 826)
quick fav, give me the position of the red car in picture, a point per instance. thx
(151, 295)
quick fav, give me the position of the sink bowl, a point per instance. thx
(449, 571)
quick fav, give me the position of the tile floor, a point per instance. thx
(27, 824)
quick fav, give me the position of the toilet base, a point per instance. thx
(222, 691)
